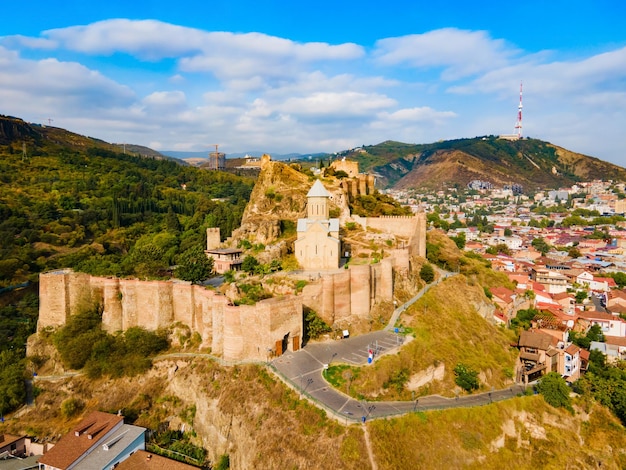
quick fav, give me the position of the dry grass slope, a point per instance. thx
(523, 433)
(446, 332)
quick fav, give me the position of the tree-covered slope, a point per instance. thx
(74, 201)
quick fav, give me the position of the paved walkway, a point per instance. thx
(303, 370)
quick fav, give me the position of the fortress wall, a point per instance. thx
(184, 305)
(362, 186)
(233, 333)
(384, 280)
(78, 292)
(154, 303)
(327, 310)
(130, 310)
(212, 308)
(361, 277)
(350, 167)
(265, 323)
(53, 305)
(402, 226)
(112, 313)
(256, 320)
(342, 297)
(400, 259)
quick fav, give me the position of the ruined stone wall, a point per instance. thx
(360, 185)
(411, 227)
(351, 168)
(235, 333)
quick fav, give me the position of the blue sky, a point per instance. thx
(284, 77)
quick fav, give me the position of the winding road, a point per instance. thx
(303, 371)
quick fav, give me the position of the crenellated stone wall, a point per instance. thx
(245, 332)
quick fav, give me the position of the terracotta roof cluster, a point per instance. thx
(83, 437)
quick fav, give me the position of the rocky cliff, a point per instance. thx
(279, 195)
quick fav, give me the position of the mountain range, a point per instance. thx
(529, 163)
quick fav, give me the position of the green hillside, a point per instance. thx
(530, 162)
(73, 201)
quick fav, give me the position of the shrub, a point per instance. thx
(249, 264)
(427, 273)
(314, 326)
(71, 407)
(466, 378)
(555, 391)
(397, 379)
(223, 463)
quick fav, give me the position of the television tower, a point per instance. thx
(518, 124)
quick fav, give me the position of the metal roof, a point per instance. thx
(318, 190)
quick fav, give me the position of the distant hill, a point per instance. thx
(531, 163)
(36, 136)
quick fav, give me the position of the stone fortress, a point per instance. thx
(271, 326)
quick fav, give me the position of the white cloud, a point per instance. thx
(460, 53)
(419, 115)
(335, 104)
(254, 91)
(165, 99)
(225, 54)
(52, 87)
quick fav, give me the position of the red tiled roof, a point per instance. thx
(536, 339)
(616, 340)
(596, 315)
(82, 437)
(572, 349)
(503, 293)
(562, 295)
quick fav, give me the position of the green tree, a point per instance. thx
(581, 296)
(466, 377)
(427, 273)
(619, 277)
(76, 340)
(146, 261)
(194, 265)
(555, 391)
(541, 245)
(171, 221)
(460, 240)
(574, 252)
(12, 391)
(249, 264)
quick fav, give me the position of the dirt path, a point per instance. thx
(368, 445)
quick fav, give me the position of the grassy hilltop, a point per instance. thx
(531, 163)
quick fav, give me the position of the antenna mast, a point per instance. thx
(518, 124)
